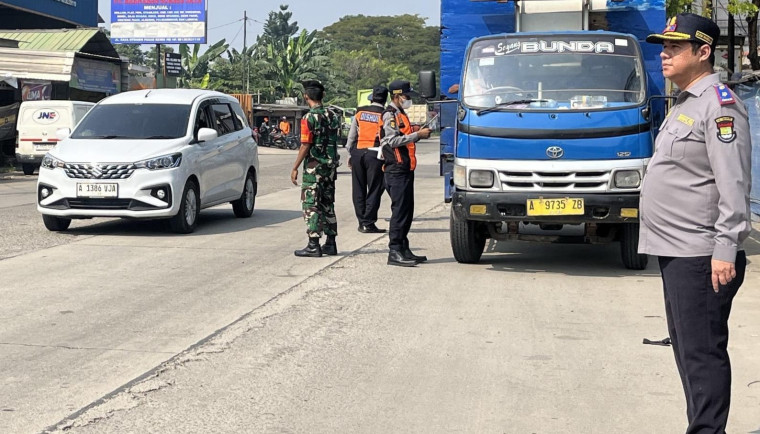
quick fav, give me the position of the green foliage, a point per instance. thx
(303, 58)
(402, 39)
(195, 66)
(354, 70)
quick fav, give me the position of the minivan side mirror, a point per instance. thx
(206, 134)
(62, 133)
(428, 87)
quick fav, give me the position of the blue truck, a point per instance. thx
(550, 120)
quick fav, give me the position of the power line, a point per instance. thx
(225, 25)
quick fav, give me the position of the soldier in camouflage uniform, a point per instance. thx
(319, 154)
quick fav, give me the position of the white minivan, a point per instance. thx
(151, 154)
(37, 124)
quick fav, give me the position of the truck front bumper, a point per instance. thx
(505, 207)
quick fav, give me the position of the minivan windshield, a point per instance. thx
(553, 72)
(134, 121)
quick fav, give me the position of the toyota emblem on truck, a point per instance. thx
(554, 152)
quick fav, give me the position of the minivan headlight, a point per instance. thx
(627, 179)
(481, 178)
(50, 162)
(162, 162)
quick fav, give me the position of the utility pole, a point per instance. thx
(245, 54)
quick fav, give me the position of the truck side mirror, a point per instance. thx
(428, 87)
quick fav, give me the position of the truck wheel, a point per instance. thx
(467, 242)
(28, 168)
(243, 207)
(629, 246)
(55, 224)
(186, 219)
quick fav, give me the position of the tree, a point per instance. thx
(402, 39)
(150, 57)
(195, 67)
(353, 70)
(303, 58)
(278, 29)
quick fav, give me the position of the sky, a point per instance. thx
(225, 17)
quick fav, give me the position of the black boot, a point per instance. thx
(396, 257)
(409, 255)
(330, 248)
(312, 250)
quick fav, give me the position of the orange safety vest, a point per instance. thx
(404, 155)
(369, 122)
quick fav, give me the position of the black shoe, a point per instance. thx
(395, 257)
(330, 248)
(370, 229)
(409, 255)
(312, 250)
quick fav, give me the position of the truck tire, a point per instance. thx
(28, 168)
(629, 246)
(55, 224)
(467, 242)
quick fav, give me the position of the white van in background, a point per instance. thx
(37, 124)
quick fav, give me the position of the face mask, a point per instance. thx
(406, 104)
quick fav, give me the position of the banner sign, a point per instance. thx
(173, 64)
(32, 90)
(158, 21)
(96, 76)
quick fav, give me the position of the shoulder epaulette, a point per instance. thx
(725, 96)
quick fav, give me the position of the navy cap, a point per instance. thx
(312, 84)
(401, 87)
(379, 94)
(688, 27)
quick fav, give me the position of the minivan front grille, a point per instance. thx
(98, 171)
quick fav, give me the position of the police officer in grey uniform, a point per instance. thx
(695, 214)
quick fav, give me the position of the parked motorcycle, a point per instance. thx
(279, 140)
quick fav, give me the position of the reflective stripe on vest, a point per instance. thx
(369, 121)
(402, 120)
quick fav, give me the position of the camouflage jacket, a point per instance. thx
(320, 129)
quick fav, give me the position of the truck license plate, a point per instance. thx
(560, 206)
(97, 189)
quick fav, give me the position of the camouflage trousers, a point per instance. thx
(318, 200)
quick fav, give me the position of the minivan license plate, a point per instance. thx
(559, 206)
(97, 189)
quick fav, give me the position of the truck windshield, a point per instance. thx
(134, 121)
(554, 72)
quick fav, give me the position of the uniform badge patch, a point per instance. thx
(685, 119)
(726, 132)
(393, 123)
(724, 95)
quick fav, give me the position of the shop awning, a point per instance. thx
(35, 65)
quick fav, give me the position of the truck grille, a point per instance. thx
(99, 171)
(565, 181)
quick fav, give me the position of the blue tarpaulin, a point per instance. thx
(750, 94)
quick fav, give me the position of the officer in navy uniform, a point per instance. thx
(695, 215)
(366, 168)
(398, 151)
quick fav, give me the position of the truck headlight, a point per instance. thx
(460, 176)
(481, 178)
(50, 162)
(162, 162)
(627, 179)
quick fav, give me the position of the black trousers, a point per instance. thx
(698, 326)
(367, 184)
(401, 189)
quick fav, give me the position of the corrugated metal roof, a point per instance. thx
(50, 40)
(35, 64)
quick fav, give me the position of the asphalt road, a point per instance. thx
(118, 326)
